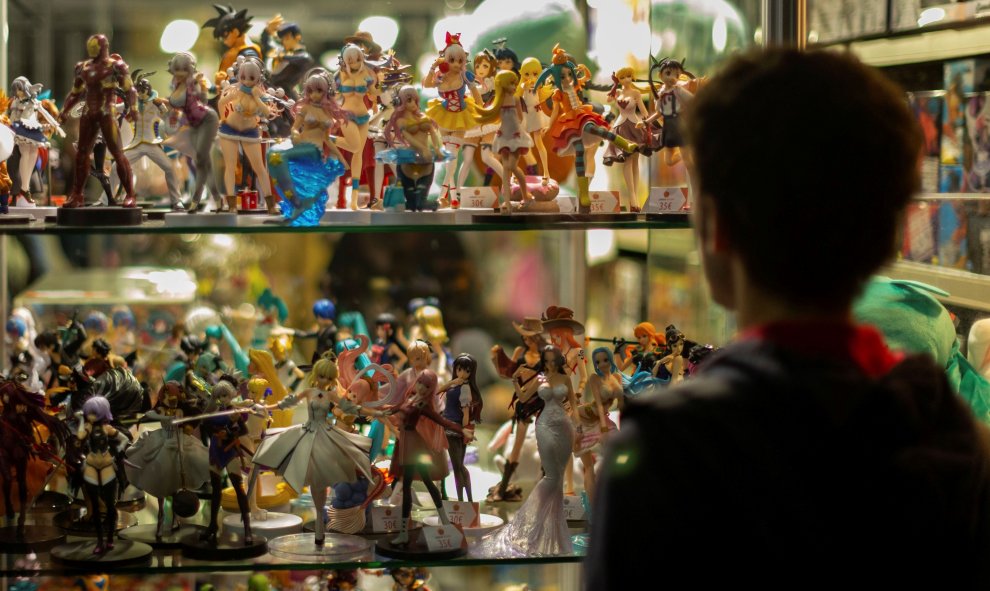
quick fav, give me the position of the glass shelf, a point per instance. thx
(666, 221)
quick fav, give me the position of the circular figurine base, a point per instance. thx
(10, 219)
(33, 538)
(335, 548)
(74, 522)
(227, 547)
(416, 549)
(51, 502)
(133, 499)
(157, 214)
(488, 524)
(272, 526)
(148, 534)
(368, 532)
(580, 544)
(99, 216)
(80, 555)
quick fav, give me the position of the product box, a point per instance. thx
(967, 75)
(927, 109)
(953, 127)
(919, 232)
(835, 20)
(976, 144)
(979, 242)
(951, 235)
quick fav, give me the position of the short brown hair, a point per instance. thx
(810, 159)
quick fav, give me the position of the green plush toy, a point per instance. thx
(913, 320)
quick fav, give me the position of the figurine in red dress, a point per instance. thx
(97, 80)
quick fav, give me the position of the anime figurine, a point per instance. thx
(671, 367)
(287, 58)
(97, 82)
(416, 148)
(429, 322)
(559, 324)
(288, 372)
(410, 579)
(386, 349)
(539, 528)
(199, 125)
(225, 429)
(243, 105)
(170, 461)
(26, 432)
(505, 58)
(575, 128)
(26, 362)
(392, 76)
(643, 356)
(462, 405)
(484, 132)
(536, 122)
(628, 101)
(358, 86)
(300, 171)
(670, 99)
(230, 27)
(101, 443)
(30, 121)
(419, 449)
(150, 111)
(511, 141)
(362, 383)
(523, 369)
(342, 580)
(606, 386)
(454, 110)
(315, 453)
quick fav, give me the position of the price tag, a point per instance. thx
(478, 198)
(444, 537)
(574, 508)
(604, 202)
(268, 484)
(463, 514)
(385, 519)
(668, 200)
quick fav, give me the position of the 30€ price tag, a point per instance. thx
(573, 508)
(463, 514)
(604, 202)
(478, 198)
(385, 519)
(444, 537)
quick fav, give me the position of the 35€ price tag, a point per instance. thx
(385, 519)
(443, 537)
(463, 514)
(667, 200)
(604, 202)
(478, 198)
(573, 508)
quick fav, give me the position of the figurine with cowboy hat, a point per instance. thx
(522, 368)
(560, 325)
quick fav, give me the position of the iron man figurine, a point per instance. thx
(97, 81)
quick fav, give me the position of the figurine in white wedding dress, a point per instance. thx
(540, 527)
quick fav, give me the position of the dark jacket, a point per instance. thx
(787, 469)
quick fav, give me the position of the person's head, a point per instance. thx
(530, 71)
(226, 389)
(22, 88)
(506, 59)
(250, 73)
(101, 348)
(290, 36)
(563, 72)
(426, 384)
(325, 311)
(353, 57)
(833, 136)
(97, 46)
(385, 325)
(552, 360)
(484, 64)
(430, 320)
(324, 371)
(647, 336)
(96, 409)
(454, 55)
(182, 65)
(604, 361)
(230, 25)
(419, 354)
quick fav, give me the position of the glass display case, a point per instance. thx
(143, 285)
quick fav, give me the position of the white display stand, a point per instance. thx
(347, 216)
(406, 218)
(38, 212)
(271, 526)
(201, 220)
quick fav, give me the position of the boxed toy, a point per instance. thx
(967, 75)
(927, 109)
(976, 144)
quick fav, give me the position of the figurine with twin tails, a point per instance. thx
(512, 141)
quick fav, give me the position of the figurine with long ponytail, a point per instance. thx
(628, 101)
(575, 128)
(511, 140)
